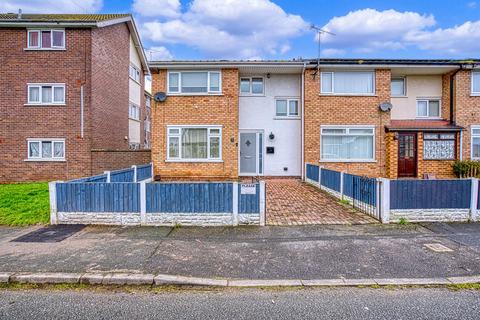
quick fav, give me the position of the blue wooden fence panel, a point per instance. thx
(144, 172)
(189, 197)
(312, 172)
(125, 175)
(331, 179)
(249, 203)
(430, 194)
(98, 197)
(98, 178)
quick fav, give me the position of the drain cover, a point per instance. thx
(50, 233)
(438, 247)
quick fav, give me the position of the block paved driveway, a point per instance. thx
(292, 202)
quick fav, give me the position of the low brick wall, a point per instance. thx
(107, 160)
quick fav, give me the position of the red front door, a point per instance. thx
(407, 155)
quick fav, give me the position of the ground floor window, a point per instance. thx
(438, 146)
(46, 149)
(194, 143)
(476, 142)
(349, 144)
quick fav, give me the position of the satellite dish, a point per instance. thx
(385, 106)
(160, 97)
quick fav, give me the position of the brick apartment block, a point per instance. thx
(91, 57)
(278, 115)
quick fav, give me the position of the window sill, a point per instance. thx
(347, 161)
(252, 95)
(194, 160)
(193, 94)
(428, 118)
(399, 97)
(286, 118)
(44, 49)
(347, 95)
(133, 119)
(45, 105)
(45, 160)
(475, 95)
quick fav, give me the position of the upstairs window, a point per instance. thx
(134, 73)
(194, 82)
(476, 83)
(46, 39)
(398, 87)
(428, 108)
(348, 83)
(252, 86)
(46, 94)
(134, 111)
(286, 108)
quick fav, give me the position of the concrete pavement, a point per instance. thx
(271, 253)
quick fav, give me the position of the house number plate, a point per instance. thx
(248, 188)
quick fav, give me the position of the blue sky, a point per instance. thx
(279, 29)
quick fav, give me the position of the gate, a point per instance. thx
(365, 195)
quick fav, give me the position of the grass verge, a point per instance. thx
(24, 204)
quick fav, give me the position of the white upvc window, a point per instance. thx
(347, 83)
(252, 86)
(475, 143)
(428, 108)
(46, 39)
(134, 73)
(46, 94)
(46, 149)
(194, 82)
(194, 143)
(398, 87)
(287, 108)
(439, 146)
(476, 83)
(347, 143)
(133, 111)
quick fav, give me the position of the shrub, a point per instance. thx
(466, 169)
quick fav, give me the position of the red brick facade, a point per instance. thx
(346, 110)
(196, 110)
(96, 59)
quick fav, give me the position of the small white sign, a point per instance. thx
(248, 189)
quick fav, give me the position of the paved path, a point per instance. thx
(307, 252)
(345, 303)
(292, 202)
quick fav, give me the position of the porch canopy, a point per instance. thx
(422, 125)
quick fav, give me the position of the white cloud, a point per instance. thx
(367, 30)
(157, 8)
(159, 54)
(472, 4)
(51, 6)
(459, 40)
(229, 28)
(331, 53)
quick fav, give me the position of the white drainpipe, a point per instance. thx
(303, 120)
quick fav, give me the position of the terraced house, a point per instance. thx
(390, 118)
(72, 95)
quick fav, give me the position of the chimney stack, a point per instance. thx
(19, 16)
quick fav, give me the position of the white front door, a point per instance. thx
(251, 153)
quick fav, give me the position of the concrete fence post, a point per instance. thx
(134, 167)
(304, 178)
(262, 204)
(151, 166)
(384, 201)
(108, 175)
(320, 177)
(236, 201)
(474, 200)
(143, 203)
(52, 190)
(342, 175)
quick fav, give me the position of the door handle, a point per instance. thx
(248, 157)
